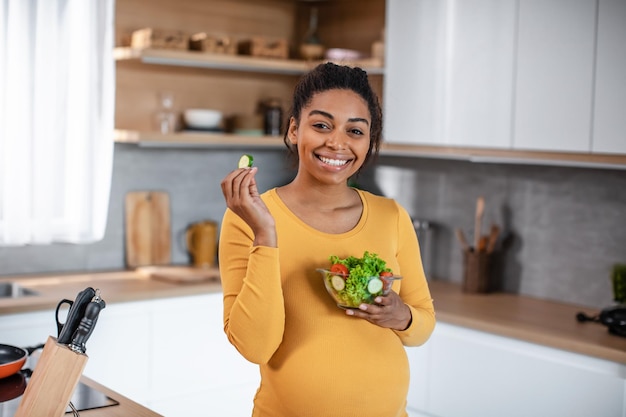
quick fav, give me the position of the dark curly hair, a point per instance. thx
(329, 76)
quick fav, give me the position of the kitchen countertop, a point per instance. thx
(115, 287)
(534, 320)
(543, 322)
(125, 408)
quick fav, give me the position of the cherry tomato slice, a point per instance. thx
(385, 274)
(339, 269)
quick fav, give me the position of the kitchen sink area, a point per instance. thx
(15, 290)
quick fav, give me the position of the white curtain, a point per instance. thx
(57, 90)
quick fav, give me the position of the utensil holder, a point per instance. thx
(476, 271)
(54, 379)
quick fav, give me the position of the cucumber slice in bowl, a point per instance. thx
(245, 161)
(375, 285)
(338, 282)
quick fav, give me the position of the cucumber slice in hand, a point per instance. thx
(375, 285)
(245, 161)
(337, 282)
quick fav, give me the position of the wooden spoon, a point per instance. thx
(493, 238)
(461, 237)
(480, 209)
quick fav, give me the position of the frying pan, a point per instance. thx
(12, 386)
(12, 358)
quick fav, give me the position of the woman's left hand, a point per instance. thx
(388, 311)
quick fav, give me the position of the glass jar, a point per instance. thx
(273, 117)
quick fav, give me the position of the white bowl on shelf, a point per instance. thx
(339, 54)
(203, 118)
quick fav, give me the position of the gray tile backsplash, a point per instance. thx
(563, 228)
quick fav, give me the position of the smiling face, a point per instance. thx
(332, 136)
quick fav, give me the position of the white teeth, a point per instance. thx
(333, 162)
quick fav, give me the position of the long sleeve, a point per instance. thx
(414, 291)
(254, 312)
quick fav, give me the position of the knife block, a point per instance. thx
(52, 384)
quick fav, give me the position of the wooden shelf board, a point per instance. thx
(196, 140)
(477, 155)
(232, 62)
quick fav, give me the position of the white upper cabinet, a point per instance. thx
(532, 75)
(449, 72)
(555, 72)
(609, 126)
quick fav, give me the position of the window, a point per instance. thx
(57, 89)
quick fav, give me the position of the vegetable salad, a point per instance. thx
(358, 280)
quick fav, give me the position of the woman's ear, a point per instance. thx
(292, 132)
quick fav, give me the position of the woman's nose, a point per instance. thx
(336, 141)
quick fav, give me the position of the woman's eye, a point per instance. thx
(320, 125)
(358, 132)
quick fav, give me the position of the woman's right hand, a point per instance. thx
(242, 197)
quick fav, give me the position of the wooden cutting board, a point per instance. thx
(148, 230)
(180, 274)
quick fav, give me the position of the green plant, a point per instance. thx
(618, 278)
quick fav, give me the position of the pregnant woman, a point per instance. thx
(315, 359)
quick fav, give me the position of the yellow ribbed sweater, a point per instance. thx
(315, 361)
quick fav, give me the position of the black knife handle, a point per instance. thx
(75, 314)
(86, 326)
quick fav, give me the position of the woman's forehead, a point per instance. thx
(339, 101)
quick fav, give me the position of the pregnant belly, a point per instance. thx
(337, 377)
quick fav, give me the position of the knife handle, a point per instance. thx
(86, 326)
(75, 314)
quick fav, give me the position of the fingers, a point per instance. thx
(239, 185)
(386, 311)
(371, 311)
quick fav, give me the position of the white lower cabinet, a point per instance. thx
(170, 355)
(464, 373)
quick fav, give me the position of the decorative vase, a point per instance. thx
(312, 48)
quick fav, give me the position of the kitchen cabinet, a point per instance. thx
(461, 372)
(170, 355)
(183, 355)
(523, 76)
(449, 72)
(554, 75)
(609, 123)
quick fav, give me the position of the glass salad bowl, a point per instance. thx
(350, 292)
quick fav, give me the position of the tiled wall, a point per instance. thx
(564, 228)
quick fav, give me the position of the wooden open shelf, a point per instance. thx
(233, 62)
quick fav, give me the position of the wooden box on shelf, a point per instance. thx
(159, 39)
(260, 46)
(214, 44)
